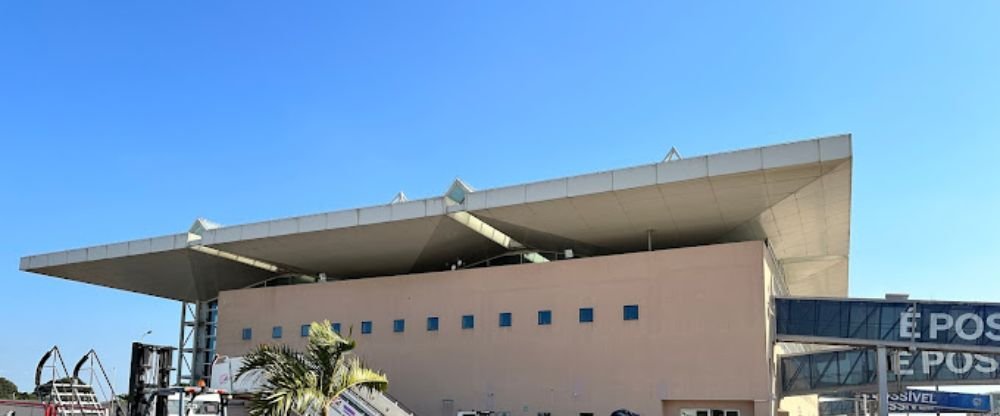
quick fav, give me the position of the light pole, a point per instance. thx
(144, 335)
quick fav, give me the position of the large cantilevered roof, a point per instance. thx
(795, 195)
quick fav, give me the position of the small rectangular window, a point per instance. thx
(545, 317)
(398, 325)
(586, 314)
(505, 319)
(304, 330)
(468, 321)
(366, 327)
(732, 413)
(247, 334)
(276, 332)
(630, 312)
(335, 327)
(432, 323)
(586, 414)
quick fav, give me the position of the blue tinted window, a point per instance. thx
(247, 333)
(468, 322)
(335, 327)
(398, 325)
(276, 332)
(545, 317)
(630, 312)
(432, 323)
(366, 327)
(505, 319)
(304, 330)
(586, 314)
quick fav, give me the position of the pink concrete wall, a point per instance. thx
(700, 335)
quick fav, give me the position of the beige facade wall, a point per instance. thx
(701, 333)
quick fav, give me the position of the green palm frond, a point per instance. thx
(307, 383)
(325, 351)
(292, 383)
(355, 374)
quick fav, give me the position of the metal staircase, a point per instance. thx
(75, 399)
(371, 403)
(67, 394)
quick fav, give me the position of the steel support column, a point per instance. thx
(883, 381)
(192, 345)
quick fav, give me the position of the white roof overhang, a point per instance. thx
(795, 195)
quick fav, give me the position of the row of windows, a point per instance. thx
(710, 412)
(506, 319)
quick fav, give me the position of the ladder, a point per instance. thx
(67, 394)
(75, 399)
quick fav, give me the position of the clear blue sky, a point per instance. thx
(122, 120)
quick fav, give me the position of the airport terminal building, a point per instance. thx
(648, 288)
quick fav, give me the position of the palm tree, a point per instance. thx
(308, 383)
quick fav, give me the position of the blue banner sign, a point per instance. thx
(853, 370)
(938, 401)
(955, 326)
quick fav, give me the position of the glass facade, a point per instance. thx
(877, 320)
(856, 369)
(211, 334)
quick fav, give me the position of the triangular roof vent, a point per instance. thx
(400, 197)
(456, 192)
(201, 225)
(672, 155)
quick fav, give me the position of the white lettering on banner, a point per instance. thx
(940, 322)
(932, 359)
(967, 326)
(907, 408)
(913, 396)
(908, 325)
(993, 322)
(977, 326)
(952, 365)
(991, 364)
(932, 362)
(903, 363)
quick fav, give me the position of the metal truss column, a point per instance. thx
(196, 346)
